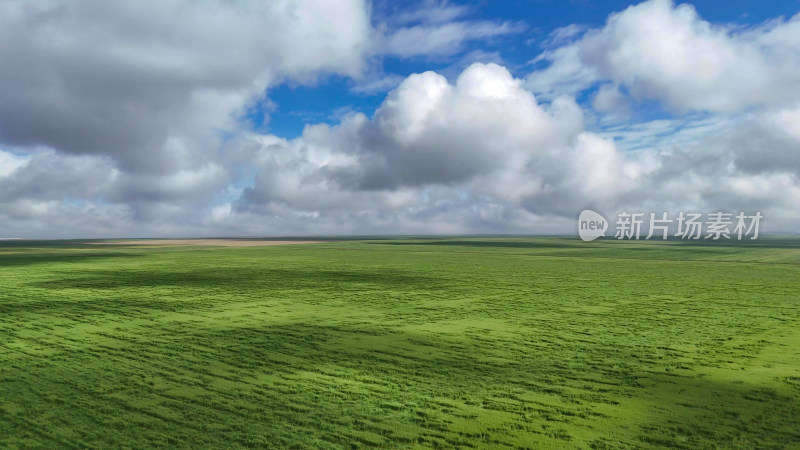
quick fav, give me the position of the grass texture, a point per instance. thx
(436, 342)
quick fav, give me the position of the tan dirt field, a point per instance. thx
(211, 242)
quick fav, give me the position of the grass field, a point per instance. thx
(484, 342)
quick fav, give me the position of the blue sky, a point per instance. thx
(291, 106)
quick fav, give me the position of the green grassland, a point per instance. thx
(468, 342)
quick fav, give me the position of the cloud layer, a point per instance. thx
(126, 120)
(659, 51)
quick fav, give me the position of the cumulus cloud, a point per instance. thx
(428, 131)
(124, 79)
(664, 52)
(484, 151)
(483, 140)
(153, 88)
(745, 163)
(75, 177)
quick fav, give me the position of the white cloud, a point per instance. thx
(442, 39)
(608, 99)
(566, 74)
(431, 12)
(661, 51)
(147, 91)
(10, 162)
(123, 78)
(483, 140)
(563, 35)
(378, 83)
(481, 155)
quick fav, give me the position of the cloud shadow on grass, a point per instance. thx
(690, 411)
(238, 278)
(323, 374)
(33, 257)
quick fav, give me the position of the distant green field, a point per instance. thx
(470, 342)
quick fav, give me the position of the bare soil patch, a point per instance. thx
(207, 242)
